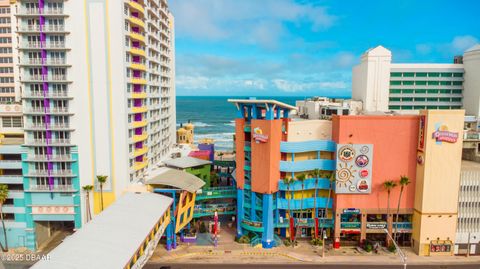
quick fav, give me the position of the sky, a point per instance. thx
(308, 48)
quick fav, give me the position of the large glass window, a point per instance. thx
(433, 74)
(394, 99)
(458, 75)
(445, 91)
(407, 91)
(446, 75)
(420, 82)
(433, 83)
(432, 91)
(395, 82)
(395, 91)
(443, 99)
(448, 83)
(457, 91)
(395, 74)
(408, 82)
(420, 91)
(408, 74)
(421, 75)
(457, 83)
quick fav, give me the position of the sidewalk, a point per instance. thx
(229, 251)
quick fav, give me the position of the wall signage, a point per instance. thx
(53, 210)
(376, 225)
(258, 136)
(351, 211)
(440, 246)
(354, 168)
(445, 136)
(421, 134)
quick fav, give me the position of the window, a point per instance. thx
(433, 83)
(419, 99)
(457, 83)
(432, 107)
(395, 82)
(407, 99)
(407, 91)
(407, 107)
(432, 91)
(444, 99)
(446, 75)
(395, 74)
(12, 122)
(434, 75)
(457, 91)
(419, 107)
(395, 91)
(421, 75)
(394, 99)
(394, 107)
(409, 74)
(445, 91)
(456, 99)
(445, 83)
(457, 75)
(432, 99)
(421, 82)
(420, 91)
(408, 82)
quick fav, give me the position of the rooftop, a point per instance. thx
(185, 162)
(262, 102)
(97, 244)
(174, 178)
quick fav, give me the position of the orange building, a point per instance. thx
(362, 216)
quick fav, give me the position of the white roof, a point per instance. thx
(112, 237)
(186, 162)
(260, 102)
(474, 48)
(175, 178)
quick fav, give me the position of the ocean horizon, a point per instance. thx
(213, 117)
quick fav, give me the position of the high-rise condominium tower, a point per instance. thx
(97, 82)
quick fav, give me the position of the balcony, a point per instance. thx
(44, 110)
(136, 6)
(51, 142)
(137, 36)
(139, 95)
(139, 109)
(138, 51)
(55, 188)
(41, 95)
(140, 151)
(11, 179)
(138, 138)
(40, 78)
(10, 164)
(45, 158)
(42, 126)
(42, 45)
(140, 165)
(138, 66)
(38, 11)
(140, 81)
(138, 124)
(136, 21)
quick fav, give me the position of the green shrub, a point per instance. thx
(244, 239)
(316, 242)
(392, 248)
(368, 248)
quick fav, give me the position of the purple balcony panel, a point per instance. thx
(137, 102)
(138, 131)
(137, 88)
(137, 74)
(135, 14)
(136, 44)
(138, 117)
(139, 145)
(139, 159)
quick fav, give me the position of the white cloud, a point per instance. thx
(246, 21)
(295, 86)
(462, 43)
(423, 49)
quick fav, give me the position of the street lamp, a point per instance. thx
(402, 255)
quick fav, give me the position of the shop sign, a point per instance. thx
(376, 225)
(445, 136)
(351, 211)
(258, 136)
(439, 247)
(421, 134)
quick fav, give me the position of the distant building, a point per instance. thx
(324, 108)
(185, 134)
(384, 86)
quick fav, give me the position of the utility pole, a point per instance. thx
(324, 235)
(402, 255)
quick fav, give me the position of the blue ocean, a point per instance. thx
(214, 117)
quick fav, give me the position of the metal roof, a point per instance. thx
(112, 238)
(186, 162)
(260, 102)
(175, 178)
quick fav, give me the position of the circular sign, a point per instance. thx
(363, 173)
(362, 185)
(364, 150)
(352, 188)
(346, 153)
(361, 161)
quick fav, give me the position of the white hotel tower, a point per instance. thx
(97, 81)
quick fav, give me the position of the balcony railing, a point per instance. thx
(68, 188)
(49, 142)
(41, 126)
(38, 11)
(51, 158)
(46, 45)
(41, 94)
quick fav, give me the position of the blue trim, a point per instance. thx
(267, 219)
(307, 146)
(296, 204)
(307, 165)
(253, 201)
(240, 211)
(308, 184)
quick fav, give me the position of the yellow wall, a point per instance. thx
(108, 199)
(437, 182)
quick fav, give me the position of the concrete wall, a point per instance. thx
(394, 140)
(304, 130)
(437, 185)
(471, 92)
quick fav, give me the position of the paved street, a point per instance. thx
(336, 266)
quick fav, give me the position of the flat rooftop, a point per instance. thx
(262, 102)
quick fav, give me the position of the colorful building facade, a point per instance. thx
(269, 149)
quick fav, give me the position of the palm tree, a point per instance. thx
(87, 189)
(316, 175)
(301, 178)
(404, 181)
(101, 180)
(389, 185)
(3, 198)
(331, 180)
(288, 181)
